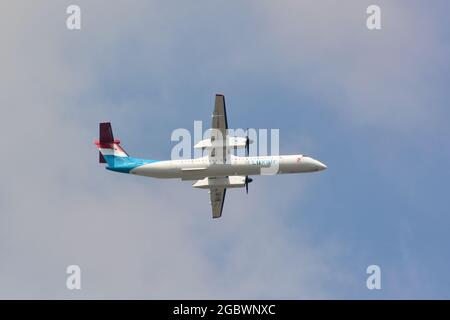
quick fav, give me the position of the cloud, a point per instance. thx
(133, 238)
(384, 79)
(149, 66)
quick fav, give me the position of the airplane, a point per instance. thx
(216, 171)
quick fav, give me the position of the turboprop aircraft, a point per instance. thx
(216, 171)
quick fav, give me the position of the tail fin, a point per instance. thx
(108, 147)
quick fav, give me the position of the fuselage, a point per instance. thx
(193, 169)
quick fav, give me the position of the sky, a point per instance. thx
(372, 105)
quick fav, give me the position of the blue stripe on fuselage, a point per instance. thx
(124, 164)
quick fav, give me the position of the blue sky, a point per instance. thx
(372, 105)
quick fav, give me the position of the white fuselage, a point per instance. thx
(194, 169)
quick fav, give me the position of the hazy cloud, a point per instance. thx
(149, 66)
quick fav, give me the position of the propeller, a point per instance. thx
(247, 181)
(247, 144)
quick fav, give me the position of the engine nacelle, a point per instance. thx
(221, 182)
(232, 142)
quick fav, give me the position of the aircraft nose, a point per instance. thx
(319, 165)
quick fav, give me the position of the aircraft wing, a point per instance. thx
(217, 196)
(218, 152)
(219, 117)
(219, 128)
